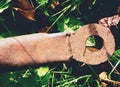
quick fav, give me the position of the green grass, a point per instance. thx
(68, 74)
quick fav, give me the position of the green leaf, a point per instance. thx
(44, 75)
(90, 41)
(69, 24)
(6, 34)
(42, 71)
(42, 2)
(4, 4)
(45, 79)
(67, 29)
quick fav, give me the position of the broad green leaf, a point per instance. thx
(45, 79)
(67, 29)
(69, 24)
(4, 4)
(44, 75)
(90, 41)
(42, 71)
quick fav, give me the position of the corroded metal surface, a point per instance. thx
(36, 49)
(81, 53)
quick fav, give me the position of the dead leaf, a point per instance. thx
(106, 81)
(43, 30)
(103, 76)
(110, 21)
(118, 9)
(25, 8)
(54, 4)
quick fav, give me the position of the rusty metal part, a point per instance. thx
(36, 49)
(78, 41)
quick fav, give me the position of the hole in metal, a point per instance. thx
(94, 43)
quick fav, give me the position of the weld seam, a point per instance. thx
(69, 44)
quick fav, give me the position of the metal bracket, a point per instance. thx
(36, 49)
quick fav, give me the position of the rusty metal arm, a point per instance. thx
(36, 49)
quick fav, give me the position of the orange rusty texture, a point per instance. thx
(81, 53)
(40, 48)
(33, 49)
